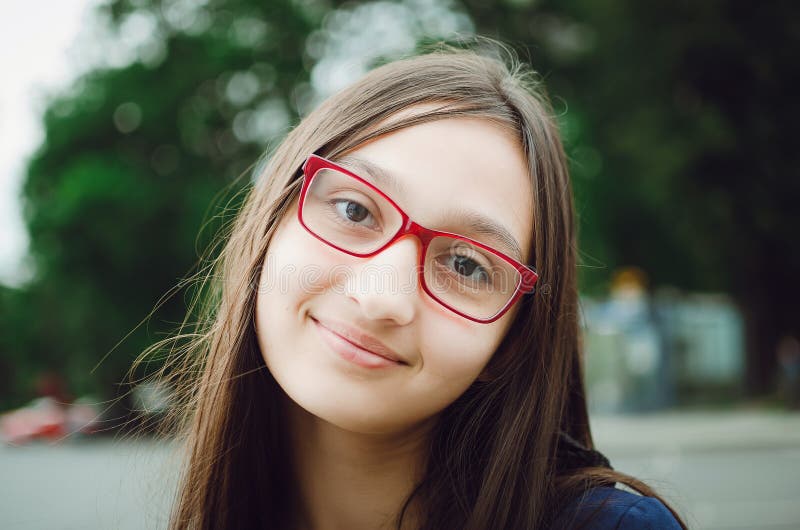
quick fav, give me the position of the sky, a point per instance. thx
(35, 40)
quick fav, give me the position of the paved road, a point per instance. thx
(86, 484)
(732, 472)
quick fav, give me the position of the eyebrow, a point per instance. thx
(475, 222)
(370, 171)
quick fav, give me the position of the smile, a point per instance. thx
(351, 352)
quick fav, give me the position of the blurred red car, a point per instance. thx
(46, 418)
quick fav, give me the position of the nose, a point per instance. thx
(386, 285)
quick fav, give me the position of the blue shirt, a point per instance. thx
(609, 508)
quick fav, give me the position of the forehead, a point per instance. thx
(464, 175)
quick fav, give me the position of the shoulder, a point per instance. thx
(609, 508)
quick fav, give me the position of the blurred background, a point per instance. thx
(126, 124)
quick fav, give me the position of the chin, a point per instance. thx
(351, 415)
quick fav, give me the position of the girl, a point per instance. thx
(392, 338)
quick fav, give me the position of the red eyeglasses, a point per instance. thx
(350, 214)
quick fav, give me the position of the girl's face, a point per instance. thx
(308, 288)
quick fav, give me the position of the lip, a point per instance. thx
(356, 346)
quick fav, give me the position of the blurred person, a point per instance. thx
(789, 363)
(630, 309)
(447, 393)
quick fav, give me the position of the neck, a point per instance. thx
(354, 481)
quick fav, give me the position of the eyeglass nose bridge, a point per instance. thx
(410, 227)
(425, 236)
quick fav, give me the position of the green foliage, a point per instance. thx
(118, 192)
(680, 121)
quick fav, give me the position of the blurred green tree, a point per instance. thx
(680, 125)
(132, 158)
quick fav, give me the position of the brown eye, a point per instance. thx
(469, 268)
(354, 211)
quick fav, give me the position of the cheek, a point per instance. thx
(454, 356)
(458, 347)
(456, 353)
(295, 267)
(290, 275)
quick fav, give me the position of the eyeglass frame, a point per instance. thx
(528, 275)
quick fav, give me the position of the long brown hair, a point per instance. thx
(493, 452)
